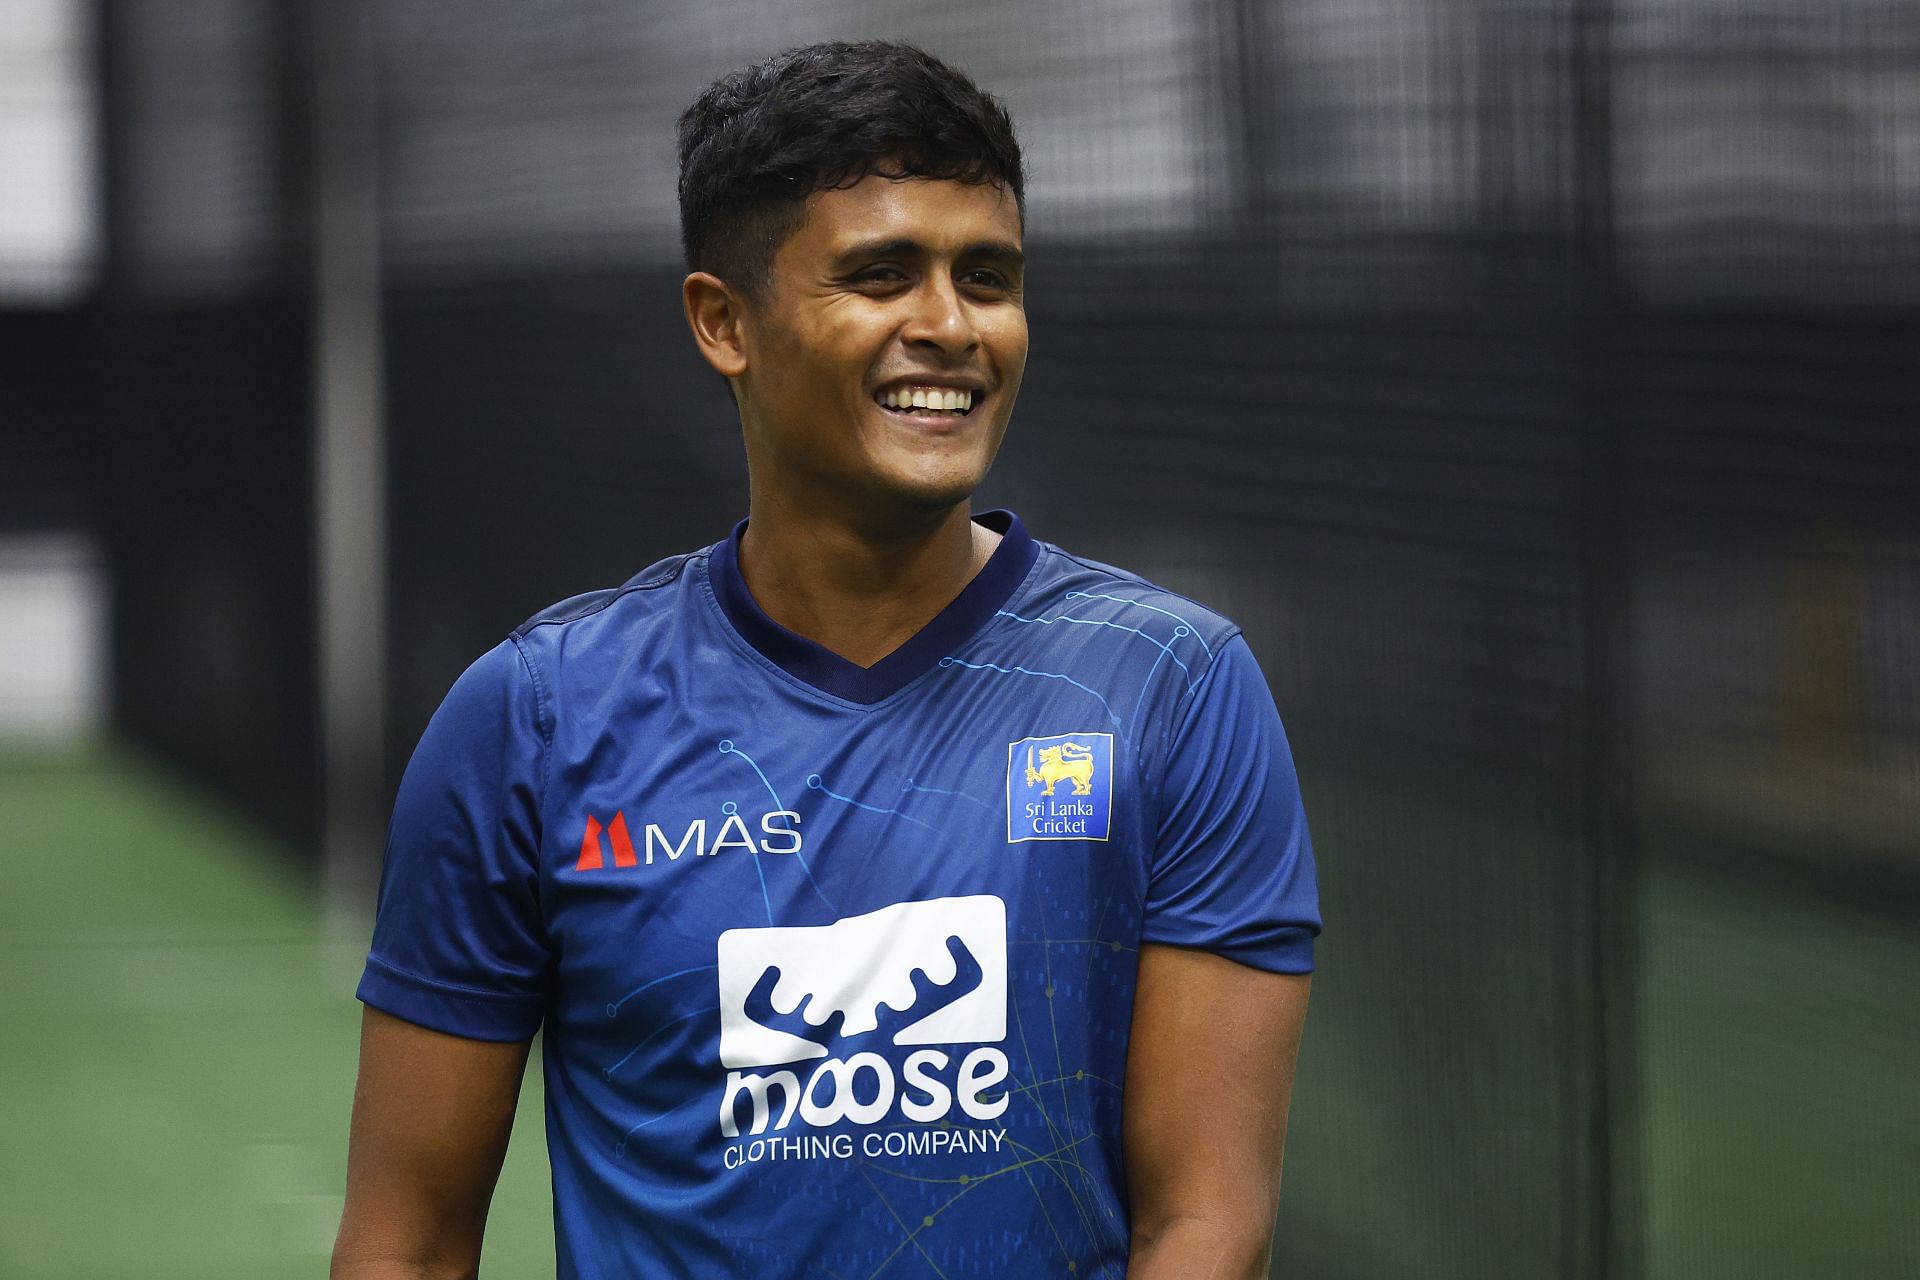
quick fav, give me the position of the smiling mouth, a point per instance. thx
(934, 404)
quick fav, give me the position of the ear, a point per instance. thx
(716, 314)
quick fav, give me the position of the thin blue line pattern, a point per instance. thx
(951, 661)
(910, 787)
(1101, 595)
(1066, 1193)
(1182, 630)
(1166, 650)
(729, 809)
(620, 1148)
(608, 1072)
(1147, 683)
(613, 1007)
(816, 783)
(728, 747)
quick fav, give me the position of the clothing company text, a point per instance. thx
(886, 1142)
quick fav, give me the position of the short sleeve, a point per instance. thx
(1232, 870)
(458, 941)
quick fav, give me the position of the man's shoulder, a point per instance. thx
(1074, 585)
(613, 619)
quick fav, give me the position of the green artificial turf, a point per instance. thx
(1781, 1061)
(180, 1035)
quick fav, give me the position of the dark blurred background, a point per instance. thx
(1535, 380)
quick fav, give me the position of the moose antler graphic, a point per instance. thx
(929, 997)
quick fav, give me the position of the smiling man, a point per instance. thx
(899, 894)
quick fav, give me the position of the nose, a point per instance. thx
(941, 318)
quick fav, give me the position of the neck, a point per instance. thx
(858, 588)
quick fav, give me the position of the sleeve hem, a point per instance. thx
(476, 1015)
(1288, 952)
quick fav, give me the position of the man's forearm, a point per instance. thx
(1201, 1249)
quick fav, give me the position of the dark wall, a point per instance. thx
(199, 382)
(548, 437)
(46, 434)
(206, 508)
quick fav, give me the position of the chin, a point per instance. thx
(932, 498)
(928, 484)
(931, 493)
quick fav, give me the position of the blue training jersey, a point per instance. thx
(836, 964)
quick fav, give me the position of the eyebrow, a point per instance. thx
(998, 252)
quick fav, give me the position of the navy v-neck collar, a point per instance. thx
(832, 674)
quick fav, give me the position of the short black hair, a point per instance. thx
(759, 141)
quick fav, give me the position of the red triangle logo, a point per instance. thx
(622, 846)
(590, 845)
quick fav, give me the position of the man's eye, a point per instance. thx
(990, 279)
(880, 275)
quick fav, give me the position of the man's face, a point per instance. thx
(888, 289)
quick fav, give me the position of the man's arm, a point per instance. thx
(431, 1116)
(1204, 1112)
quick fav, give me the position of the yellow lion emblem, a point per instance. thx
(1068, 762)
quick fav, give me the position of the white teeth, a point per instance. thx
(934, 399)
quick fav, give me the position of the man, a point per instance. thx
(899, 894)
